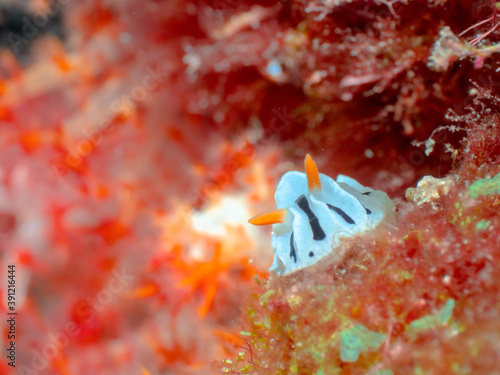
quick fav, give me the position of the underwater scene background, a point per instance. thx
(138, 137)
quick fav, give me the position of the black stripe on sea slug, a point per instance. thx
(293, 253)
(318, 233)
(368, 212)
(367, 193)
(342, 214)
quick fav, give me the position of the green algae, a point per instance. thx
(319, 345)
(358, 339)
(483, 224)
(294, 302)
(432, 321)
(485, 186)
(265, 297)
(459, 369)
(467, 220)
(405, 275)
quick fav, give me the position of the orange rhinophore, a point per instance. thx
(273, 217)
(312, 173)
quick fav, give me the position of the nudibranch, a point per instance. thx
(314, 212)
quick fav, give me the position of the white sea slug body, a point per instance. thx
(314, 211)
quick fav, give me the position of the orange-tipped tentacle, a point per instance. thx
(273, 217)
(312, 173)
